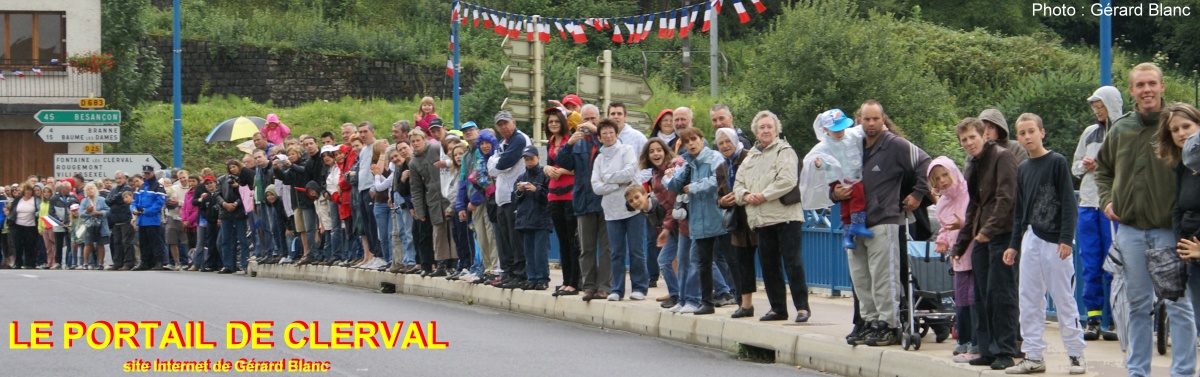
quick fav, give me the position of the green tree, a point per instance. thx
(137, 70)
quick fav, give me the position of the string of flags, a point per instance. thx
(37, 71)
(675, 23)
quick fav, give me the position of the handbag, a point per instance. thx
(728, 220)
(80, 232)
(793, 196)
(1168, 272)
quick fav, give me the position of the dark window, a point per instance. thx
(32, 39)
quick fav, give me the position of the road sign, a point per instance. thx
(91, 103)
(633, 90)
(94, 166)
(639, 120)
(80, 134)
(518, 80)
(79, 116)
(518, 51)
(520, 109)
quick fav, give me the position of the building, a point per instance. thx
(41, 34)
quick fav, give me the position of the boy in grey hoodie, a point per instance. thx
(1094, 231)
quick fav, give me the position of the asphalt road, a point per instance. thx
(482, 341)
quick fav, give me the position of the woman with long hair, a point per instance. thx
(93, 211)
(1177, 123)
(562, 181)
(658, 156)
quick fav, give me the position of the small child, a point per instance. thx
(839, 155)
(533, 220)
(948, 183)
(637, 199)
(1044, 230)
(76, 243)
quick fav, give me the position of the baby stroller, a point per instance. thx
(928, 298)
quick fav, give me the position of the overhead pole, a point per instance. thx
(457, 71)
(176, 87)
(1105, 45)
(538, 81)
(712, 55)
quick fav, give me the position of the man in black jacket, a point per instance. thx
(233, 225)
(309, 169)
(205, 200)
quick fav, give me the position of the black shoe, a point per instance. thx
(857, 335)
(588, 296)
(1092, 332)
(141, 267)
(802, 317)
(705, 309)
(942, 332)
(206, 269)
(773, 316)
(440, 272)
(1109, 334)
(980, 361)
(881, 335)
(1002, 363)
(743, 312)
(654, 283)
(161, 268)
(724, 299)
(225, 271)
(414, 270)
(512, 283)
(527, 285)
(670, 303)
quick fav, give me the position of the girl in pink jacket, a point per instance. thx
(948, 183)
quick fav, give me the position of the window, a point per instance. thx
(32, 39)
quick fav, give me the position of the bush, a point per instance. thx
(1060, 99)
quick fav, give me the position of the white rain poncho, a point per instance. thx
(841, 161)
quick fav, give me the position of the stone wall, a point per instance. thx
(292, 78)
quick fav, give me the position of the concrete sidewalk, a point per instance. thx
(818, 344)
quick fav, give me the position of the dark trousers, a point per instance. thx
(25, 240)
(122, 246)
(423, 241)
(565, 225)
(704, 253)
(366, 209)
(995, 298)
(652, 251)
(233, 239)
(781, 243)
(509, 241)
(745, 274)
(151, 240)
(212, 249)
(464, 242)
(727, 261)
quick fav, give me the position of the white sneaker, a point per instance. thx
(1078, 365)
(637, 296)
(689, 309)
(286, 260)
(614, 297)
(677, 308)
(1027, 366)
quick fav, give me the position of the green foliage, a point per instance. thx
(1059, 98)
(817, 56)
(312, 118)
(137, 71)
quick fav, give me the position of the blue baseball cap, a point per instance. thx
(835, 120)
(468, 124)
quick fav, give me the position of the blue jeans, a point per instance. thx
(666, 256)
(689, 274)
(1133, 244)
(233, 237)
(627, 237)
(464, 243)
(383, 226)
(366, 208)
(404, 225)
(334, 240)
(537, 253)
(721, 272)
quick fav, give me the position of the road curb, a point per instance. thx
(794, 347)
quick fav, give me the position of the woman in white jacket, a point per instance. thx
(614, 169)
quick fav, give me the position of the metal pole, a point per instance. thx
(1105, 45)
(457, 72)
(538, 81)
(177, 88)
(605, 97)
(712, 56)
(686, 86)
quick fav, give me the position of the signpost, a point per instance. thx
(78, 116)
(520, 109)
(80, 134)
(525, 82)
(99, 166)
(633, 90)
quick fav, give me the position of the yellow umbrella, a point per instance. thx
(235, 129)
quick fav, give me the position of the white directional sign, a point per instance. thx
(80, 134)
(520, 109)
(518, 50)
(94, 166)
(633, 90)
(518, 80)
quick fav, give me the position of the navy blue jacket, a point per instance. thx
(533, 211)
(581, 156)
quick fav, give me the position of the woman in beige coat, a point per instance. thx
(767, 174)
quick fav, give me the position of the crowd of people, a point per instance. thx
(480, 206)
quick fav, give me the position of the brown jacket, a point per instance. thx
(992, 186)
(742, 235)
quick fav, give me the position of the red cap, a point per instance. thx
(572, 99)
(344, 148)
(209, 178)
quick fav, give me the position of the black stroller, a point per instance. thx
(930, 290)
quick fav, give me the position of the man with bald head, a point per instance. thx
(722, 118)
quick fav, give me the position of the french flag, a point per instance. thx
(617, 35)
(662, 26)
(695, 16)
(1, 76)
(649, 26)
(708, 13)
(501, 23)
(37, 71)
(454, 12)
(758, 5)
(514, 27)
(544, 31)
(558, 25)
(717, 7)
(475, 15)
(671, 24)
(451, 41)
(629, 25)
(530, 34)
(487, 18)
(18, 73)
(577, 32)
(449, 66)
(50, 222)
(741, 11)
(684, 24)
